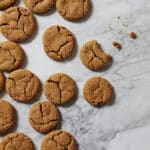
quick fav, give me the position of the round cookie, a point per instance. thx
(93, 57)
(73, 9)
(7, 116)
(44, 116)
(59, 88)
(58, 42)
(6, 3)
(16, 141)
(97, 91)
(22, 85)
(59, 140)
(11, 56)
(17, 24)
(39, 6)
(2, 82)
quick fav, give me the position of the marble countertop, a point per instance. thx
(123, 125)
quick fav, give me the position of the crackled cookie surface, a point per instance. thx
(58, 42)
(2, 82)
(73, 9)
(97, 91)
(44, 116)
(93, 57)
(6, 3)
(59, 88)
(16, 141)
(11, 56)
(17, 24)
(22, 85)
(59, 140)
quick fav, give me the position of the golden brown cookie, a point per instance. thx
(16, 141)
(59, 140)
(59, 88)
(44, 116)
(2, 82)
(22, 85)
(11, 56)
(39, 6)
(93, 57)
(58, 42)
(6, 3)
(17, 24)
(73, 9)
(7, 116)
(97, 91)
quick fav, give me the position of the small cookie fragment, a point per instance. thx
(97, 91)
(7, 116)
(133, 35)
(73, 9)
(44, 116)
(59, 88)
(22, 85)
(116, 44)
(2, 82)
(39, 6)
(16, 141)
(58, 42)
(93, 57)
(11, 56)
(6, 3)
(59, 140)
(17, 24)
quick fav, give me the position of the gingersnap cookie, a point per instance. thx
(7, 116)
(59, 140)
(2, 82)
(6, 3)
(93, 57)
(17, 24)
(59, 88)
(11, 56)
(16, 141)
(22, 85)
(58, 42)
(44, 116)
(97, 91)
(73, 9)
(39, 6)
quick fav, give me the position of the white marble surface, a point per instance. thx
(124, 125)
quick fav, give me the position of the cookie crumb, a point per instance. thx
(116, 44)
(133, 35)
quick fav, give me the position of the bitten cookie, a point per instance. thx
(16, 141)
(59, 140)
(2, 82)
(17, 24)
(7, 116)
(11, 56)
(58, 42)
(93, 57)
(97, 91)
(6, 3)
(22, 85)
(59, 88)
(73, 9)
(44, 116)
(39, 6)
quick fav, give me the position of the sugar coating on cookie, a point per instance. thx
(58, 42)
(7, 116)
(6, 3)
(39, 6)
(97, 90)
(2, 82)
(59, 139)
(11, 56)
(93, 57)
(59, 88)
(17, 24)
(22, 85)
(44, 116)
(73, 9)
(16, 141)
